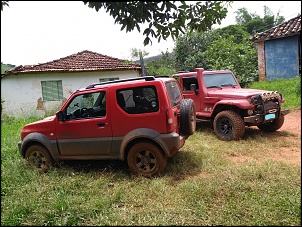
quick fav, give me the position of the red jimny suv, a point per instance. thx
(143, 120)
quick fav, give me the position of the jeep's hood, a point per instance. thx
(241, 93)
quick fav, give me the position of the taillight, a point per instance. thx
(169, 115)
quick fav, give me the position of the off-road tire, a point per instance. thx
(229, 125)
(272, 126)
(146, 159)
(38, 157)
(187, 117)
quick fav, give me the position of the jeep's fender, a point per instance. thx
(239, 103)
(38, 138)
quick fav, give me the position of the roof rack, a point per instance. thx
(146, 78)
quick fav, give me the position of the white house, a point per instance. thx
(40, 90)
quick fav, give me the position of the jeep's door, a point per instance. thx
(188, 93)
(87, 130)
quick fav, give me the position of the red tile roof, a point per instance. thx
(288, 28)
(79, 62)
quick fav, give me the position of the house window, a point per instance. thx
(108, 79)
(52, 90)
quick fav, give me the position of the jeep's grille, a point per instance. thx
(267, 102)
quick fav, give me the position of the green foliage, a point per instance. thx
(165, 18)
(4, 3)
(254, 23)
(237, 31)
(241, 58)
(165, 66)
(289, 88)
(189, 50)
(5, 67)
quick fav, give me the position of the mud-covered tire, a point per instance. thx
(146, 159)
(187, 117)
(272, 126)
(229, 125)
(38, 157)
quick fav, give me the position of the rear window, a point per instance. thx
(173, 92)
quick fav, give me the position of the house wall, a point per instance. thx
(22, 93)
(282, 58)
(261, 61)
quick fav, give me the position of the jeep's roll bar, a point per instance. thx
(147, 78)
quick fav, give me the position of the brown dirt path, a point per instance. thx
(290, 154)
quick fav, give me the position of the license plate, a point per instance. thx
(270, 116)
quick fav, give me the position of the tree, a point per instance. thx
(254, 23)
(223, 48)
(164, 66)
(4, 3)
(164, 18)
(225, 53)
(138, 53)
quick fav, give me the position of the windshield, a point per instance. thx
(219, 80)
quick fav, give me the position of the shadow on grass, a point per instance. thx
(85, 166)
(177, 166)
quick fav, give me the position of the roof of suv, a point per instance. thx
(125, 81)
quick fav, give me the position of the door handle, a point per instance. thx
(101, 124)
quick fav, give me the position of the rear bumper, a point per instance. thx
(262, 119)
(171, 142)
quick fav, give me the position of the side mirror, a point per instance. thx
(61, 116)
(193, 87)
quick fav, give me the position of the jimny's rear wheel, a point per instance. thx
(146, 159)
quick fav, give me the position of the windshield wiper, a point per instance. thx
(218, 86)
(224, 85)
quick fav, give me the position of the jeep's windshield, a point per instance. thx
(174, 93)
(219, 80)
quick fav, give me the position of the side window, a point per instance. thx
(88, 105)
(138, 100)
(52, 90)
(187, 81)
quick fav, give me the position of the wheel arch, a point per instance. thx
(39, 139)
(140, 140)
(221, 107)
(140, 135)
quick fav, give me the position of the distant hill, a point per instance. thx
(5, 67)
(153, 58)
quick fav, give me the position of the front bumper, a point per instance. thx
(262, 119)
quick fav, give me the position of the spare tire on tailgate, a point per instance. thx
(187, 117)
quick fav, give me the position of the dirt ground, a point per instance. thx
(289, 154)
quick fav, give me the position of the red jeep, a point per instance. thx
(142, 120)
(219, 98)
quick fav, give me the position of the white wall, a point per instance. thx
(21, 92)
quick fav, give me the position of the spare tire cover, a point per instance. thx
(187, 117)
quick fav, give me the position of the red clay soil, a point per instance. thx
(290, 154)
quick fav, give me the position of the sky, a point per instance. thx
(34, 32)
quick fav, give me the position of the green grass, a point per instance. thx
(202, 185)
(5, 67)
(289, 88)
